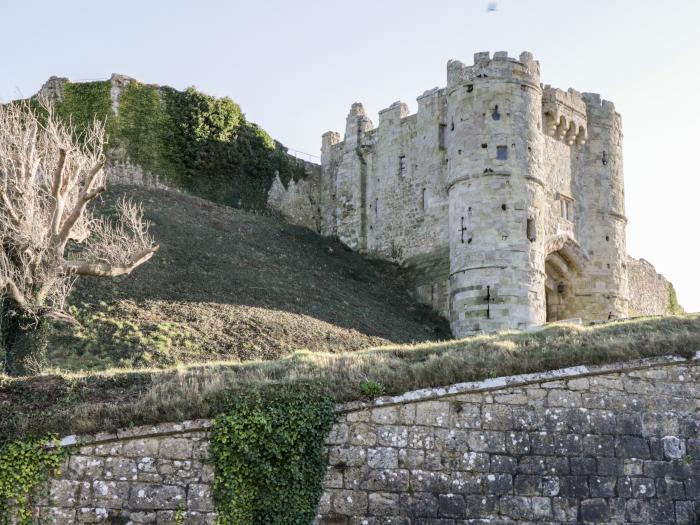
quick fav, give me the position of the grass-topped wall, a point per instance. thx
(189, 140)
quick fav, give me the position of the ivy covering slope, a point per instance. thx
(195, 142)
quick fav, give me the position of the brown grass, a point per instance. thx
(85, 403)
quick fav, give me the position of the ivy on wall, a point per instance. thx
(269, 457)
(24, 465)
(196, 142)
(673, 307)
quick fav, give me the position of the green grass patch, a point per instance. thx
(90, 402)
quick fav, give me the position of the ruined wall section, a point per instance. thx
(649, 293)
(300, 201)
(610, 444)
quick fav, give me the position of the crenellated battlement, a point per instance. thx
(393, 114)
(564, 115)
(501, 67)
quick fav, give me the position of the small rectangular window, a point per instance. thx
(567, 208)
(441, 136)
(402, 165)
(502, 152)
(531, 230)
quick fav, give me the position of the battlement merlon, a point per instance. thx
(524, 69)
(356, 124)
(329, 139)
(393, 114)
(600, 111)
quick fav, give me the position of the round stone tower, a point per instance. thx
(604, 184)
(495, 193)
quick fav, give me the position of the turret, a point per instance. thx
(344, 179)
(494, 112)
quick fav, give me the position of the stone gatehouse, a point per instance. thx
(503, 197)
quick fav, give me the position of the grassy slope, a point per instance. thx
(228, 284)
(86, 403)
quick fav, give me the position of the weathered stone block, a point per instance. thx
(386, 480)
(632, 447)
(594, 510)
(383, 458)
(141, 448)
(349, 502)
(481, 506)
(418, 505)
(156, 497)
(433, 413)
(199, 498)
(602, 486)
(383, 503)
(451, 506)
(486, 441)
(120, 469)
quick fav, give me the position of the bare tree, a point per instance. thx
(49, 174)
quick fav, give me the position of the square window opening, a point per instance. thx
(502, 152)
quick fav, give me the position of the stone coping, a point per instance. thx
(198, 425)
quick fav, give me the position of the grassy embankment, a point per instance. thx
(91, 402)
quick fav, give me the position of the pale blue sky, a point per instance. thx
(295, 67)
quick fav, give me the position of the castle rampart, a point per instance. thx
(502, 196)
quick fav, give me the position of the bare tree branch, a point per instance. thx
(49, 175)
(105, 269)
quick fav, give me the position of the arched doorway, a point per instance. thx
(562, 267)
(558, 287)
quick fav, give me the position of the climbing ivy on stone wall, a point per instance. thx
(269, 457)
(673, 308)
(24, 465)
(196, 142)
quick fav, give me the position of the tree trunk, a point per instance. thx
(24, 340)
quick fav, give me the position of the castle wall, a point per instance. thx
(650, 293)
(384, 191)
(609, 444)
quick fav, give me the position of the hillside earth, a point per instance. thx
(228, 284)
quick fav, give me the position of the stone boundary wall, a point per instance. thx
(607, 444)
(648, 290)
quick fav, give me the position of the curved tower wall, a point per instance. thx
(602, 182)
(494, 110)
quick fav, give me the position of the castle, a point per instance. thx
(504, 198)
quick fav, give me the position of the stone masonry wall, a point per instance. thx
(649, 291)
(610, 444)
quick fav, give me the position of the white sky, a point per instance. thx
(296, 66)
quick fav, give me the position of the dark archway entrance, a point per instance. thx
(558, 287)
